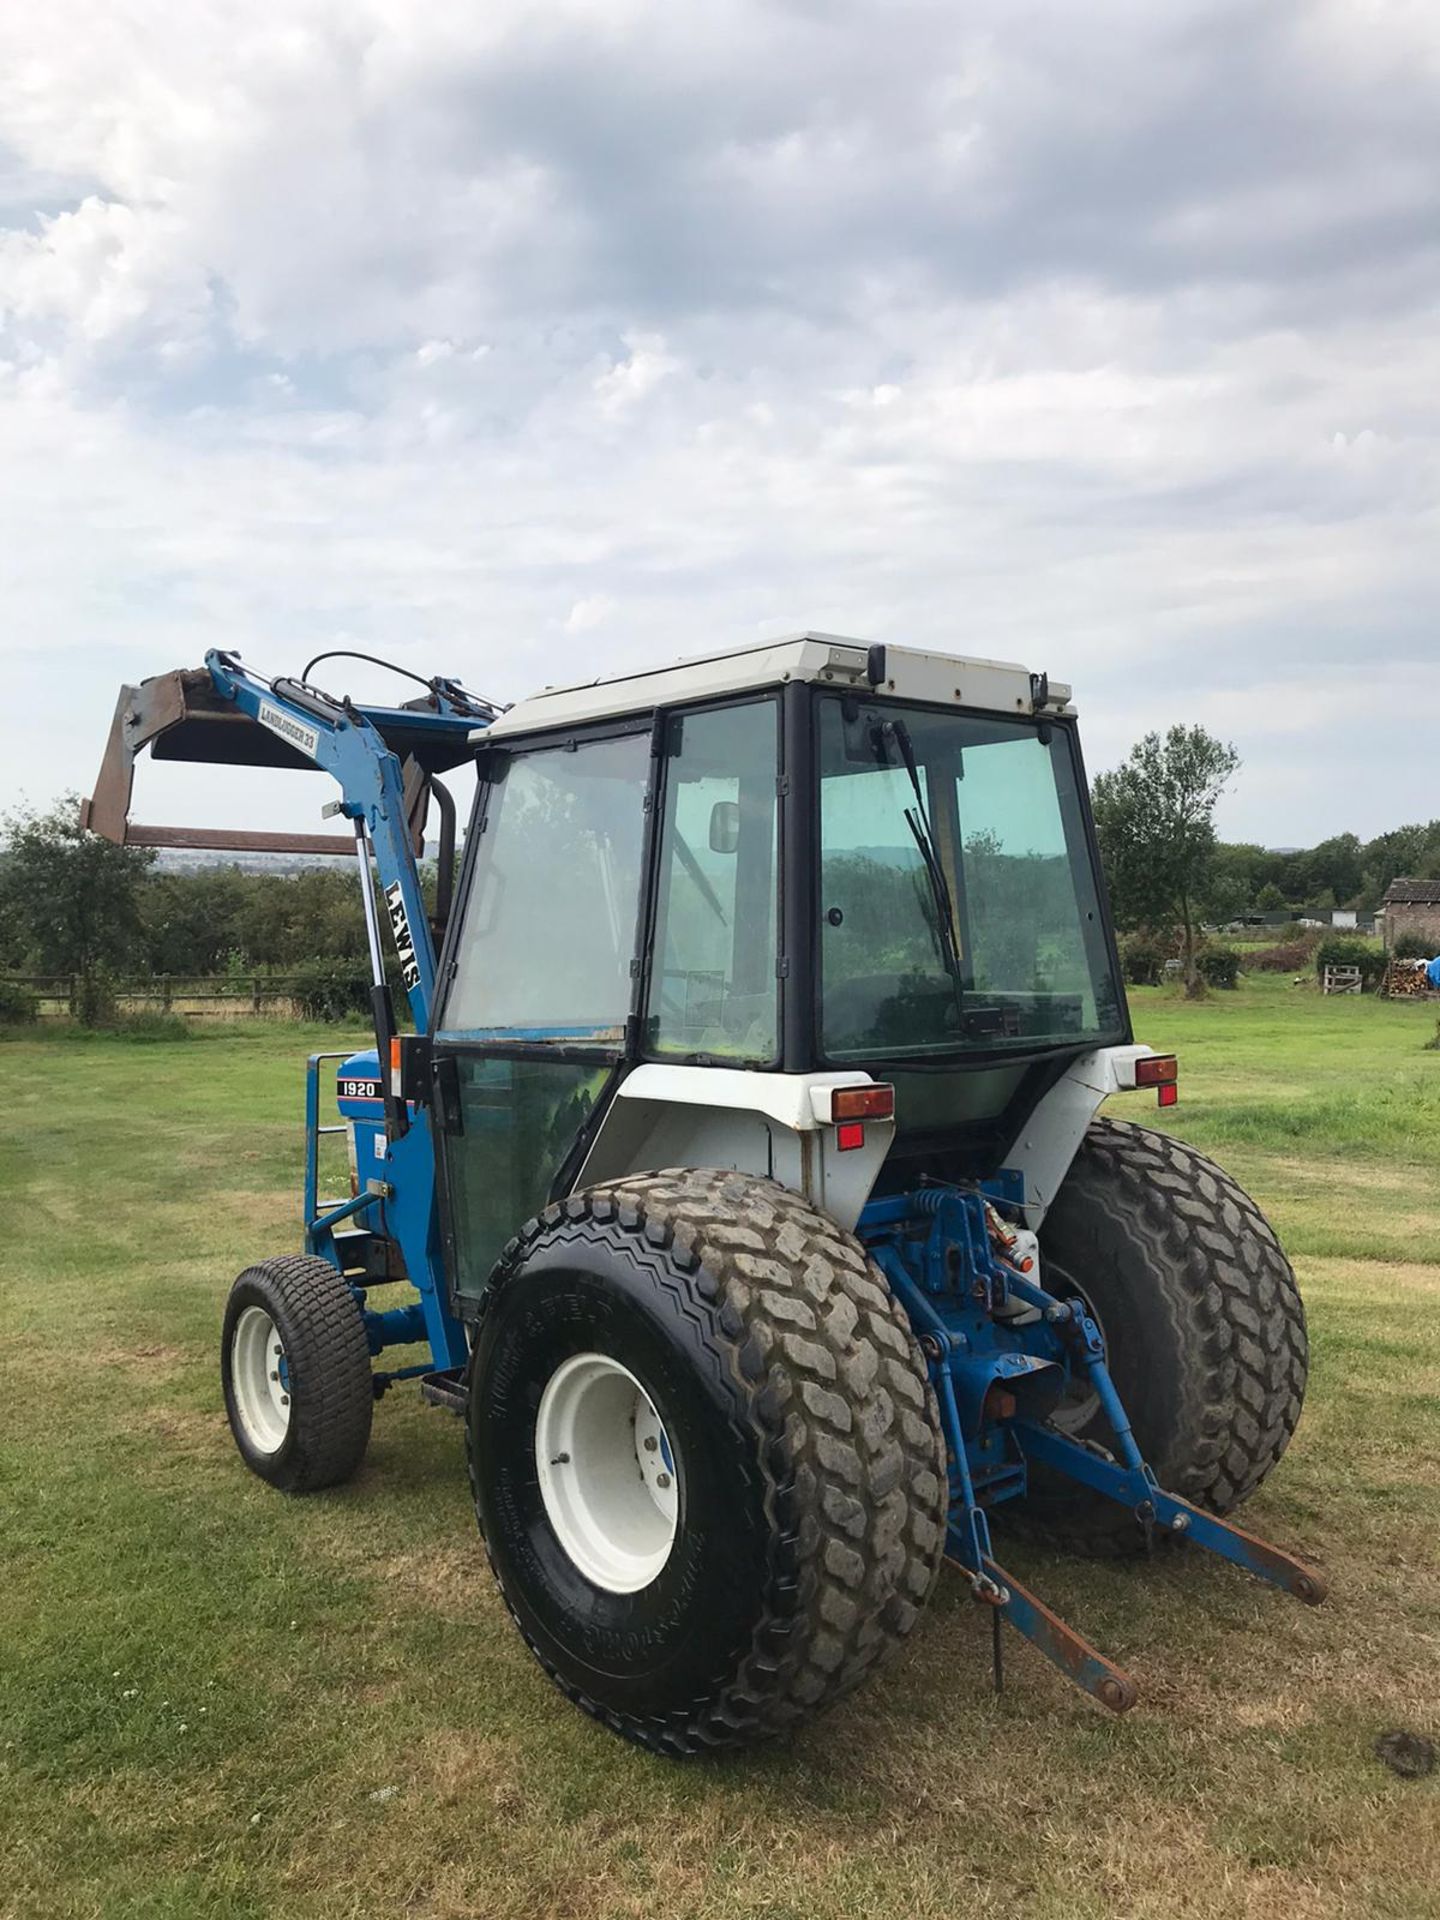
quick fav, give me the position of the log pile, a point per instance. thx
(1407, 980)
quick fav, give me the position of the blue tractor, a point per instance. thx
(741, 1169)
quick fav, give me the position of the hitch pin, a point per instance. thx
(988, 1590)
(997, 1598)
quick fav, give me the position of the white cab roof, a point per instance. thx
(993, 686)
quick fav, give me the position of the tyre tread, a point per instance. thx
(843, 1430)
(1230, 1294)
(332, 1391)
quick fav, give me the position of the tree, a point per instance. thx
(1155, 816)
(194, 921)
(1245, 869)
(1337, 866)
(72, 898)
(1410, 853)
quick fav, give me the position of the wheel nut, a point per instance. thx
(284, 1399)
(662, 1479)
(651, 1444)
(274, 1376)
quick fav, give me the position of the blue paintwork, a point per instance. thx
(1007, 1186)
(1136, 1487)
(398, 1185)
(934, 1248)
(405, 1212)
(351, 748)
(397, 1327)
(311, 1196)
(997, 1379)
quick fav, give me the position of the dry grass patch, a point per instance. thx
(145, 1362)
(453, 1579)
(190, 1431)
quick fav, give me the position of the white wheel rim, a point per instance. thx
(260, 1380)
(607, 1473)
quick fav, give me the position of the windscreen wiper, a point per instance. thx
(917, 819)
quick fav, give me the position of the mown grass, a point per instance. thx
(217, 1702)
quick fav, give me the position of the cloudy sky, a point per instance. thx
(528, 338)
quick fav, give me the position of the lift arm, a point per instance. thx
(384, 760)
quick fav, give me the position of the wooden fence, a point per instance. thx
(219, 997)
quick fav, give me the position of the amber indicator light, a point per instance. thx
(862, 1103)
(1161, 1069)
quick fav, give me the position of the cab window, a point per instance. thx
(713, 988)
(545, 947)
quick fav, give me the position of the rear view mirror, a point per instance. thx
(725, 826)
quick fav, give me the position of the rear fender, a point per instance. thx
(762, 1123)
(1051, 1136)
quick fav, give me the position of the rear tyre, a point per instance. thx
(295, 1366)
(1203, 1325)
(706, 1458)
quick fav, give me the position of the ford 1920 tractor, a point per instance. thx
(741, 1168)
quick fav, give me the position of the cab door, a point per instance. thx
(534, 1020)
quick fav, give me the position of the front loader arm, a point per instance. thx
(383, 759)
(342, 741)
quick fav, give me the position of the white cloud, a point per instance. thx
(1105, 340)
(593, 611)
(101, 278)
(646, 364)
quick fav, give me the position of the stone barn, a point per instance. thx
(1411, 906)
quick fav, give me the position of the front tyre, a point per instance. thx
(295, 1366)
(706, 1459)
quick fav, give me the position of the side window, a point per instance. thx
(548, 936)
(713, 986)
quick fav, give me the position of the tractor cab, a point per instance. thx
(811, 859)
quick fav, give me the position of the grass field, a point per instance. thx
(215, 1701)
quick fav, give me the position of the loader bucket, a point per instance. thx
(182, 716)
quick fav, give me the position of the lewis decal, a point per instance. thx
(404, 943)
